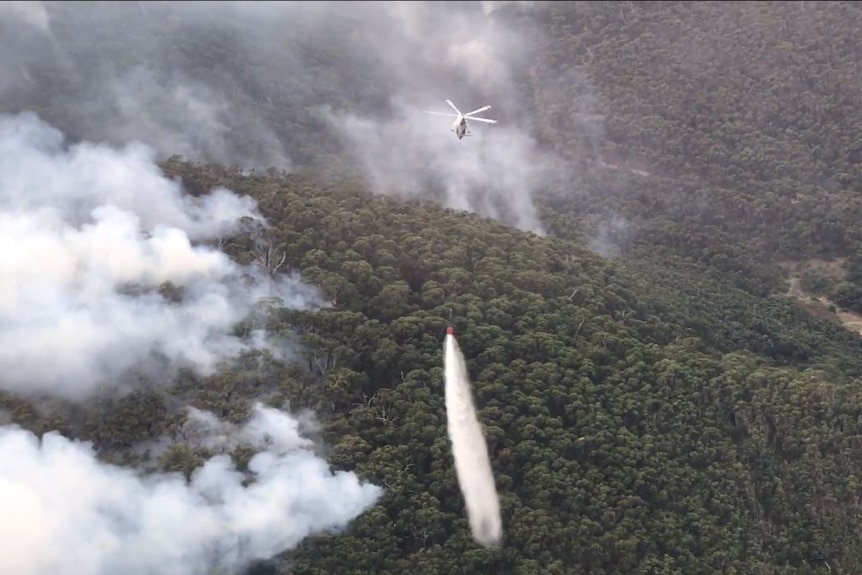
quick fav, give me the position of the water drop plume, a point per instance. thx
(469, 450)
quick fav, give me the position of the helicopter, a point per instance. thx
(459, 126)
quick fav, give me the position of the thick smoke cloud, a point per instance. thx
(116, 73)
(62, 512)
(30, 13)
(458, 53)
(263, 84)
(412, 154)
(104, 276)
(88, 235)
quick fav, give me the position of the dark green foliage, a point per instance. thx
(729, 130)
(848, 295)
(625, 434)
(664, 411)
(632, 428)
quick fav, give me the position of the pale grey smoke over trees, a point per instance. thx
(279, 84)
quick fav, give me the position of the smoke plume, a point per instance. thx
(611, 237)
(460, 53)
(412, 154)
(291, 84)
(89, 239)
(31, 14)
(469, 450)
(62, 512)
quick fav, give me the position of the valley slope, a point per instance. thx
(659, 391)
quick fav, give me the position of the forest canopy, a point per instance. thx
(651, 263)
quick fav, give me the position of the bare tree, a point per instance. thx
(268, 257)
(271, 258)
(325, 361)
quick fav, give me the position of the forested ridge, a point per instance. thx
(665, 410)
(744, 116)
(621, 440)
(738, 119)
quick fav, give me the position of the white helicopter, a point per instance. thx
(459, 126)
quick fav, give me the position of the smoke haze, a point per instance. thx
(278, 83)
(469, 450)
(88, 235)
(461, 54)
(64, 513)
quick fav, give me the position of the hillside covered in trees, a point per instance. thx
(620, 440)
(719, 133)
(729, 128)
(668, 370)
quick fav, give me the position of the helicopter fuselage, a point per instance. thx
(459, 126)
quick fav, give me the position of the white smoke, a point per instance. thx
(492, 173)
(62, 512)
(468, 58)
(205, 430)
(87, 236)
(31, 13)
(176, 115)
(469, 450)
(292, 84)
(489, 6)
(611, 236)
